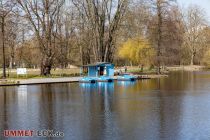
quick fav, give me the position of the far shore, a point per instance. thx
(187, 68)
(73, 75)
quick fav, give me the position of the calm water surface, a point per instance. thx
(174, 108)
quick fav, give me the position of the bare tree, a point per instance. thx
(194, 37)
(103, 18)
(84, 37)
(173, 31)
(160, 9)
(11, 36)
(42, 15)
(136, 19)
(6, 7)
(65, 33)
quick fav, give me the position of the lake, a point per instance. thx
(173, 108)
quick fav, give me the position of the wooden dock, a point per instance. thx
(41, 81)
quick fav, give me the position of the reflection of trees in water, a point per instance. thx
(59, 108)
(88, 87)
(176, 81)
(105, 91)
(22, 108)
(151, 108)
(98, 101)
(143, 110)
(18, 107)
(22, 95)
(137, 87)
(124, 87)
(4, 110)
(8, 107)
(126, 83)
(47, 107)
(184, 81)
(51, 105)
(170, 112)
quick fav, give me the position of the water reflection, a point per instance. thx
(3, 112)
(22, 95)
(126, 83)
(87, 87)
(175, 108)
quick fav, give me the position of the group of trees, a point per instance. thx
(56, 33)
(179, 36)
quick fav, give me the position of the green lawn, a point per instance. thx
(35, 73)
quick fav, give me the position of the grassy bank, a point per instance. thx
(35, 73)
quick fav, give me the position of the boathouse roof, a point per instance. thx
(97, 64)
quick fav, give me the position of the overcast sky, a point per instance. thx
(204, 4)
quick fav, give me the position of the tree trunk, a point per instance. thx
(158, 70)
(45, 70)
(12, 57)
(192, 59)
(142, 68)
(3, 47)
(159, 41)
(46, 66)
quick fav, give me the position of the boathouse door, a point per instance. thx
(101, 71)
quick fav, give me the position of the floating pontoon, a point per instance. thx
(100, 71)
(104, 79)
(87, 80)
(126, 77)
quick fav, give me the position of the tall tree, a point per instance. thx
(42, 16)
(103, 18)
(160, 9)
(6, 7)
(194, 37)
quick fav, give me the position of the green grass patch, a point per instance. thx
(35, 73)
(29, 76)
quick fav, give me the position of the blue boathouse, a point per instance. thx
(99, 69)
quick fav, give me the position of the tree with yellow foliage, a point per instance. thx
(206, 58)
(137, 51)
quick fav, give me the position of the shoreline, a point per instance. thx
(55, 80)
(186, 68)
(32, 81)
